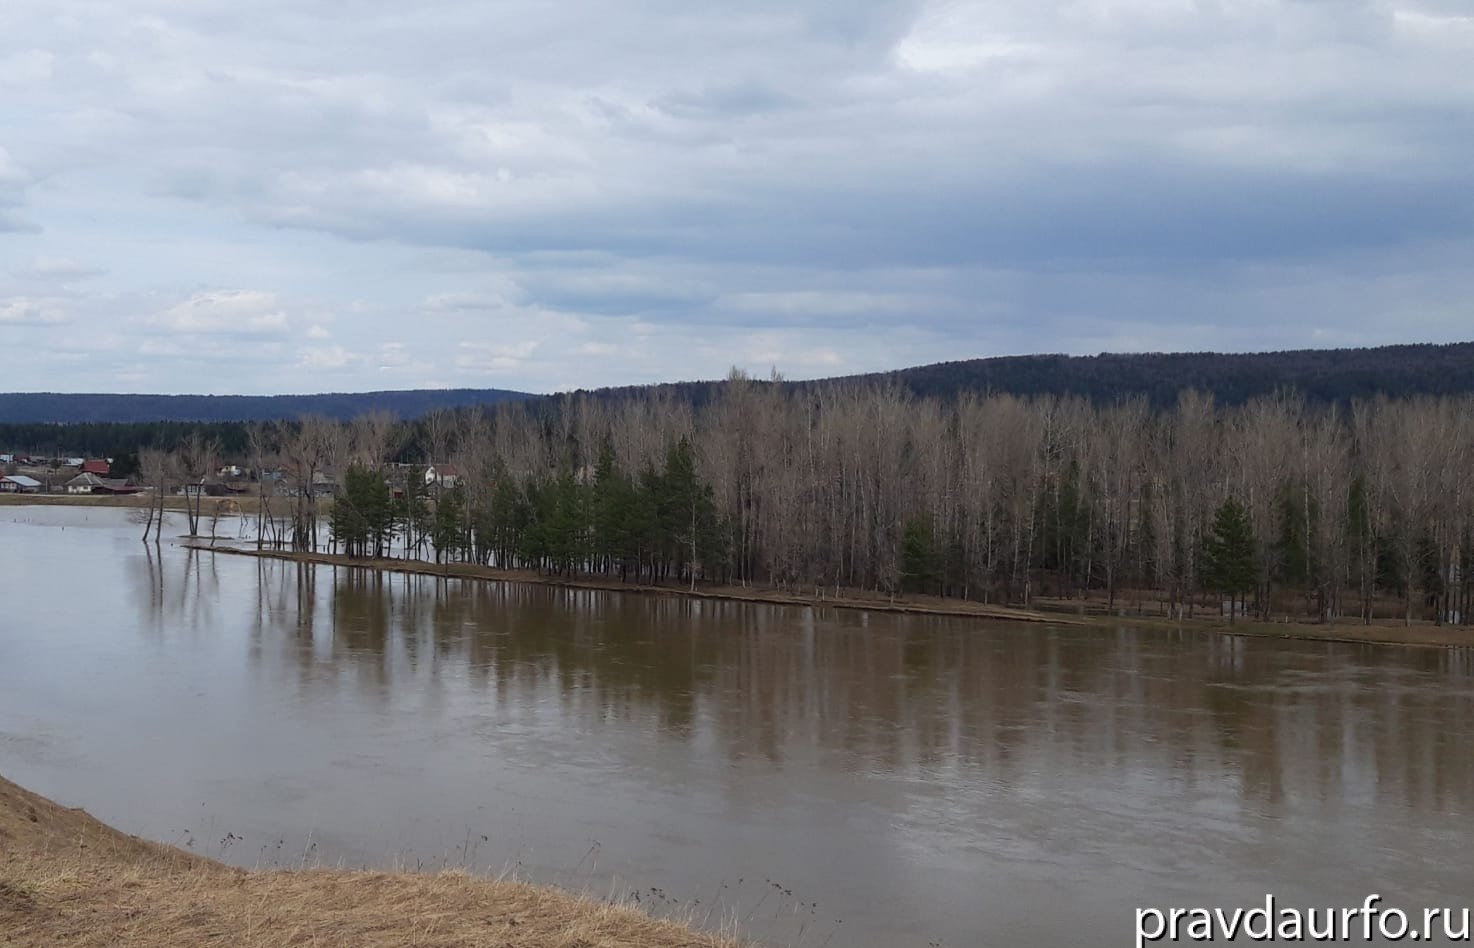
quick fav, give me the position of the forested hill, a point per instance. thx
(47, 407)
(1323, 375)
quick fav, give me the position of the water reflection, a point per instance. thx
(919, 779)
(175, 590)
(1282, 723)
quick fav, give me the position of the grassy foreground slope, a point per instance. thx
(68, 879)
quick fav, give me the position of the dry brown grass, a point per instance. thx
(67, 879)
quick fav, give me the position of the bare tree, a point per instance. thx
(197, 457)
(308, 448)
(153, 469)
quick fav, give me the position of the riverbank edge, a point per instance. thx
(753, 594)
(1420, 634)
(68, 878)
(1426, 636)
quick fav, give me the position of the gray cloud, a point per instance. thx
(531, 196)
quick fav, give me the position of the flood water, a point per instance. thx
(813, 776)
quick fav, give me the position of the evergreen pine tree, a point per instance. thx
(445, 533)
(920, 571)
(1229, 562)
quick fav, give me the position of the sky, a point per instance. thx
(349, 195)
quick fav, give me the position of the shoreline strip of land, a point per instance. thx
(1422, 635)
(1056, 612)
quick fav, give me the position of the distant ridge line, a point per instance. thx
(1337, 376)
(1324, 376)
(102, 408)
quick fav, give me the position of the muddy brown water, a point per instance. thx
(813, 777)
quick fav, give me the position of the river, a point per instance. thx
(807, 776)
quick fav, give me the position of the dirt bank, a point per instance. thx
(68, 879)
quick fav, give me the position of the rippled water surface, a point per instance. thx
(816, 776)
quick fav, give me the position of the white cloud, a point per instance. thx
(26, 67)
(505, 293)
(56, 269)
(31, 311)
(802, 303)
(495, 357)
(10, 172)
(392, 355)
(610, 196)
(326, 357)
(228, 312)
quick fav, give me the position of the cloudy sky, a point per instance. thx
(307, 195)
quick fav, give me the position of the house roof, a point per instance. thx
(115, 484)
(96, 466)
(22, 480)
(444, 470)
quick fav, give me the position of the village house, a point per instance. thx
(323, 485)
(444, 475)
(19, 484)
(82, 483)
(89, 483)
(97, 466)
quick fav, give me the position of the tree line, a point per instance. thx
(1273, 506)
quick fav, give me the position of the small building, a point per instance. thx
(98, 466)
(445, 475)
(324, 485)
(74, 462)
(20, 484)
(83, 483)
(116, 485)
(92, 484)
